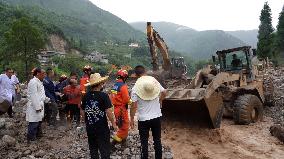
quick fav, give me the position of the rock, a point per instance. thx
(168, 155)
(278, 132)
(9, 125)
(27, 152)
(10, 141)
(126, 151)
(2, 145)
(31, 157)
(4, 132)
(2, 123)
(115, 157)
(40, 153)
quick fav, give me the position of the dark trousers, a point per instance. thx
(34, 130)
(74, 112)
(10, 109)
(51, 110)
(62, 112)
(98, 142)
(144, 128)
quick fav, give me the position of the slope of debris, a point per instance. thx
(276, 111)
(58, 143)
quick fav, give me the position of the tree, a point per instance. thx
(264, 32)
(280, 32)
(23, 42)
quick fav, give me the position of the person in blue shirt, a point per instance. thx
(51, 108)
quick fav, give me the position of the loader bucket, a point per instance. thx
(193, 106)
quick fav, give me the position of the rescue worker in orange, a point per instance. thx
(85, 78)
(120, 99)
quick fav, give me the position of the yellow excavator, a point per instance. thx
(225, 88)
(173, 68)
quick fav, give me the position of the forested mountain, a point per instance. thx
(9, 14)
(247, 36)
(197, 44)
(80, 19)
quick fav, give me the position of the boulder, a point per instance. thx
(8, 140)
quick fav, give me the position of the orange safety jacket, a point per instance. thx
(119, 94)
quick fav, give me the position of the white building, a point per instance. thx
(134, 45)
(97, 57)
(45, 57)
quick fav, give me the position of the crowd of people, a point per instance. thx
(74, 99)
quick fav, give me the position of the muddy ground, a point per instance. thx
(181, 139)
(229, 142)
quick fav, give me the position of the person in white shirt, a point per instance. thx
(15, 82)
(35, 106)
(6, 89)
(147, 95)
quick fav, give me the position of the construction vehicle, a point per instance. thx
(173, 68)
(232, 87)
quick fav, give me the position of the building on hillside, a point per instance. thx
(127, 56)
(45, 57)
(97, 57)
(135, 45)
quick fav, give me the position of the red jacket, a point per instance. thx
(73, 94)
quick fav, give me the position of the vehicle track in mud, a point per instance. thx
(229, 142)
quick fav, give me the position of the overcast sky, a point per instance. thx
(198, 14)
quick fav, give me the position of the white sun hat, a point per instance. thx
(147, 88)
(96, 78)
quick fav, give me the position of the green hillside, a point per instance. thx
(49, 22)
(197, 44)
(9, 14)
(80, 19)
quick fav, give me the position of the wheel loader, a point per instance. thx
(232, 87)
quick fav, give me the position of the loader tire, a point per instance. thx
(247, 109)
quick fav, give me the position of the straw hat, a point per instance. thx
(147, 88)
(96, 78)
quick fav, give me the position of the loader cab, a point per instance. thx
(178, 67)
(236, 60)
(177, 62)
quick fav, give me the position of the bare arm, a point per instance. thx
(110, 117)
(163, 96)
(133, 110)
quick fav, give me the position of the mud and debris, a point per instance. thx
(181, 139)
(60, 142)
(276, 111)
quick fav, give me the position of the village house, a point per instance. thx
(97, 57)
(135, 45)
(45, 57)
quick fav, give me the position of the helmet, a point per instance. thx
(87, 68)
(122, 73)
(62, 78)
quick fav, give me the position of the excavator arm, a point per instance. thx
(155, 39)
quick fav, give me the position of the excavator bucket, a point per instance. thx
(194, 106)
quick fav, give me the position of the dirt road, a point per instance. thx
(229, 142)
